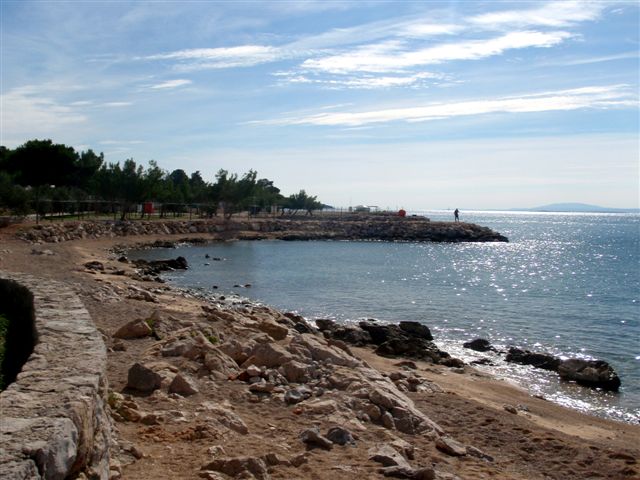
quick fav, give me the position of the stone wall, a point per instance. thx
(54, 419)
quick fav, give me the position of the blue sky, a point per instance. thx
(397, 104)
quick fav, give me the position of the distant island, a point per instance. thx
(577, 207)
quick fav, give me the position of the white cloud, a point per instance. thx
(121, 142)
(606, 58)
(116, 104)
(228, 57)
(171, 84)
(394, 56)
(362, 82)
(27, 113)
(419, 30)
(552, 14)
(579, 98)
(398, 44)
(403, 27)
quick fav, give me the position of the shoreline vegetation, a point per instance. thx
(46, 178)
(224, 388)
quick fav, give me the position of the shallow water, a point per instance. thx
(568, 284)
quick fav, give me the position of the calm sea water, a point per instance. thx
(568, 284)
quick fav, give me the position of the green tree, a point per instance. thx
(87, 165)
(266, 194)
(41, 162)
(233, 193)
(302, 201)
(105, 184)
(131, 186)
(198, 187)
(14, 198)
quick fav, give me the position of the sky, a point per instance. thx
(420, 105)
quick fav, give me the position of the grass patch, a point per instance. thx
(4, 327)
(151, 322)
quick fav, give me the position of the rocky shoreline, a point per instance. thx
(225, 388)
(412, 340)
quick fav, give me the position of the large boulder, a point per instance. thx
(155, 267)
(176, 348)
(273, 329)
(268, 355)
(591, 373)
(133, 329)
(325, 324)
(407, 339)
(163, 324)
(228, 418)
(381, 333)
(215, 360)
(340, 436)
(399, 408)
(346, 333)
(538, 360)
(143, 378)
(239, 466)
(387, 456)
(238, 351)
(179, 263)
(479, 345)
(416, 329)
(450, 446)
(312, 438)
(412, 348)
(320, 351)
(350, 334)
(297, 372)
(183, 385)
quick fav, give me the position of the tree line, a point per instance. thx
(42, 177)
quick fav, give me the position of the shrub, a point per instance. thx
(4, 327)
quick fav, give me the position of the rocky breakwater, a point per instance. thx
(54, 423)
(269, 361)
(353, 227)
(380, 227)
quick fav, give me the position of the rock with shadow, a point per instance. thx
(479, 345)
(538, 360)
(154, 267)
(406, 339)
(590, 373)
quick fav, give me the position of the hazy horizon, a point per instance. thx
(438, 105)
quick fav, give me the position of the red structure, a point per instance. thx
(147, 208)
(402, 212)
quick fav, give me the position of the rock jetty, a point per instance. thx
(348, 227)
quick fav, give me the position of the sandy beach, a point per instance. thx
(176, 436)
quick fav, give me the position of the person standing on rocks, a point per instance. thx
(456, 215)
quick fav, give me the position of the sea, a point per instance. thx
(566, 284)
